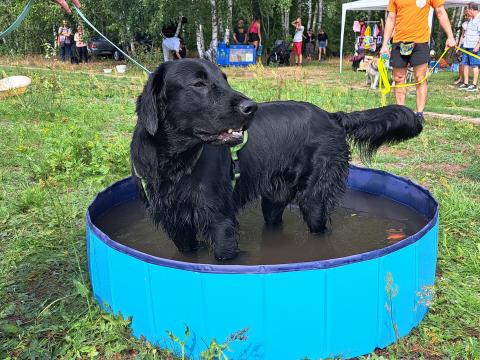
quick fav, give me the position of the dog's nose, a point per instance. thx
(247, 107)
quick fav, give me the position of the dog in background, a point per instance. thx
(188, 116)
(372, 75)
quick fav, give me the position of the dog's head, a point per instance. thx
(193, 99)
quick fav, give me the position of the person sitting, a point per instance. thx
(239, 35)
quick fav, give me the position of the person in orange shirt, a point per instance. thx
(408, 22)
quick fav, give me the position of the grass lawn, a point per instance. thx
(68, 138)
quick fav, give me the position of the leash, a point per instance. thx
(116, 47)
(384, 84)
(26, 10)
(18, 21)
(235, 169)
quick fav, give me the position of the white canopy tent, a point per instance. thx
(381, 5)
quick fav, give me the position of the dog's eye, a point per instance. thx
(199, 83)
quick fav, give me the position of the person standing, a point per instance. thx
(65, 41)
(297, 41)
(471, 43)
(410, 46)
(81, 45)
(254, 33)
(322, 39)
(310, 44)
(239, 35)
(458, 52)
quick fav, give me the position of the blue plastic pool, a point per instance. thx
(342, 307)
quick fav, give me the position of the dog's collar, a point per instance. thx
(235, 168)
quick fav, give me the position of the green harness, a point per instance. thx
(235, 167)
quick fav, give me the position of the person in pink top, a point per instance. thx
(254, 33)
(81, 44)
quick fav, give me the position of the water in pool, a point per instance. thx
(363, 222)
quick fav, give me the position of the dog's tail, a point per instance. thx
(370, 129)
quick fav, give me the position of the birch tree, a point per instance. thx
(214, 42)
(309, 21)
(228, 27)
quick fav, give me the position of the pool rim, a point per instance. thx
(271, 268)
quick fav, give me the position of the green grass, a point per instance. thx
(68, 138)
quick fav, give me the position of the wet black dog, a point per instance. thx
(188, 116)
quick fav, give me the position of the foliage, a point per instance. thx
(122, 20)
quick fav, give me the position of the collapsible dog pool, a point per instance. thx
(286, 296)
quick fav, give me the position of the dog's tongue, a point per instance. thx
(231, 135)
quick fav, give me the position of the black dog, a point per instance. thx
(296, 153)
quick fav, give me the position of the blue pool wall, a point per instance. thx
(340, 307)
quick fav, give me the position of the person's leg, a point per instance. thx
(85, 52)
(475, 75)
(300, 56)
(68, 48)
(460, 75)
(62, 53)
(466, 73)
(399, 78)
(420, 72)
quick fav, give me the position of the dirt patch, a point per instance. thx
(459, 118)
(449, 170)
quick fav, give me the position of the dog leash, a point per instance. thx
(18, 21)
(116, 47)
(384, 85)
(26, 10)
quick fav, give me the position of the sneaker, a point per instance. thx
(463, 87)
(420, 118)
(472, 88)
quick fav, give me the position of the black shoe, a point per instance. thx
(420, 118)
(463, 87)
(472, 88)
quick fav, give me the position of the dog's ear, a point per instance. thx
(151, 104)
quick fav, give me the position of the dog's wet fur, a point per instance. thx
(188, 116)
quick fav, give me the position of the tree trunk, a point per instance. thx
(228, 27)
(200, 40)
(314, 18)
(214, 43)
(179, 26)
(285, 22)
(459, 24)
(320, 13)
(309, 21)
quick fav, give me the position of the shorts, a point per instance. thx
(469, 60)
(253, 37)
(419, 56)
(297, 48)
(322, 44)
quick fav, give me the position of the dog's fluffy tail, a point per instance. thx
(370, 129)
